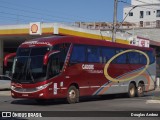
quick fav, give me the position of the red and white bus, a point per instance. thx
(70, 67)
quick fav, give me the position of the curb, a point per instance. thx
(5, 93)
(153, 101)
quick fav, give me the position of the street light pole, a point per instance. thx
(114, 21)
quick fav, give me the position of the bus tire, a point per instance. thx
(72, 95)
(131, 90)
(140, 90)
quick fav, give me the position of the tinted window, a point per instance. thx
(107, 53)
(57, 60)
(55, 65)
(39, 51)
(63, 48)
(133, 57)
(23, 52)
(78, 54)
(93, 54)
(143, 59)
(151, 57)
(121, 59)
(32, 51)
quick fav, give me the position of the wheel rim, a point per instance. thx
(132, 91)
(72, 94)
(140, 90)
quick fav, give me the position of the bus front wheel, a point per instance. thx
(131, 90)
(72, 95)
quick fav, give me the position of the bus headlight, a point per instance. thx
(13, 87)
(43, 86)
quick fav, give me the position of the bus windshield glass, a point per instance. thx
(28, 65)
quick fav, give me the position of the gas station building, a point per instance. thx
(11, 36)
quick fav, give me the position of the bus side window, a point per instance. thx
(63, 48)
(121, 59)
(78, 54)
(54, 66)
(143, 59)
(151, 57)
(107, 53)
(93, 54)
(133, 58)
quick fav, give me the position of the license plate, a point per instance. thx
(25, 95)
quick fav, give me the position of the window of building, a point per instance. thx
(158, 13)
(130, 13)
(148, 12)
(141, 24)
(147, 23)
(141, 14)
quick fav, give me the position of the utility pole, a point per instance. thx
(114, 21)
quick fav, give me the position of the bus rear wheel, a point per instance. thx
(140, 90)
(131, 90)
(72, 95)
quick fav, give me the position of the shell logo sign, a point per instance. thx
(128, 78)
(35, 28)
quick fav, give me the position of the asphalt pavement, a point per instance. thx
(7, 103)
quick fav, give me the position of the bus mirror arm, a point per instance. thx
(8, 56)
(47, 55)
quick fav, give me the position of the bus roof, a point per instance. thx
(50, 41)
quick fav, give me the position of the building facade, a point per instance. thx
(143, 13)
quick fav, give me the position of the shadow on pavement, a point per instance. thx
(63, 101)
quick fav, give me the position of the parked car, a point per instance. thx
(5, 82)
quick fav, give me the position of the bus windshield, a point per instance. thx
(28, 65)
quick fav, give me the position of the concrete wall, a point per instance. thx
(152, 34)
(136, 11)
(135, 2)
(136, 14)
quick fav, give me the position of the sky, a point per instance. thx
(66, 11)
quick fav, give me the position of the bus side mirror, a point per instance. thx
(8, 56)
(47, 55)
